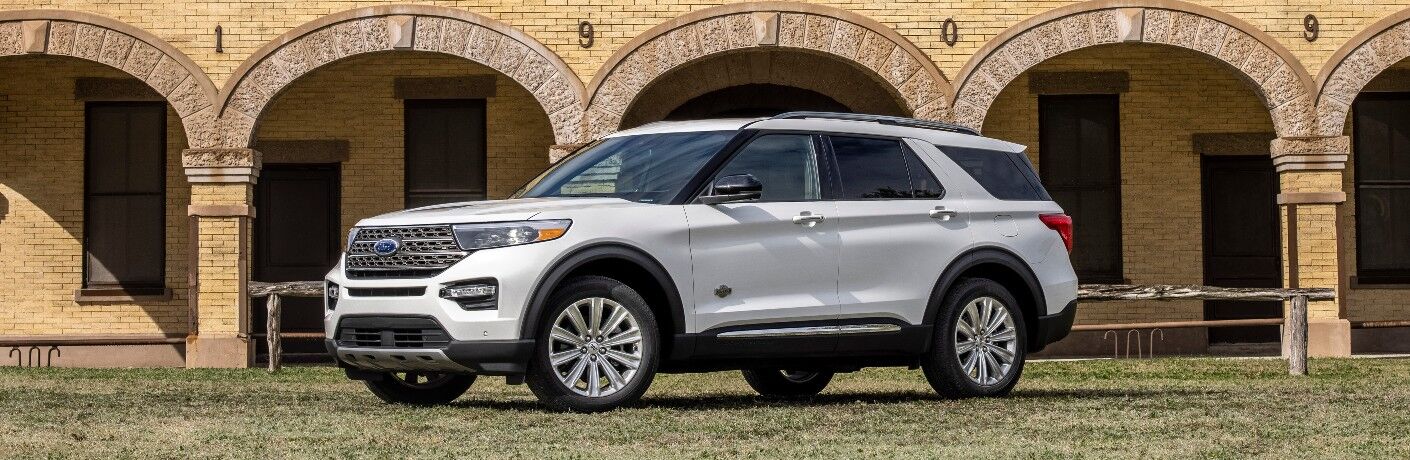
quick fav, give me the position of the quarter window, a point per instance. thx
(785, 163)
(125, 196)
(1382, 144)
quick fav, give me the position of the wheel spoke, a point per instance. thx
(966, 346)
(563, 335)
(996, 371)
(963, 327)
(1003, 354)
(986, 312)
(983, 367)
(576, 317)
(614, 379)
(558, 359)
(971, 364)
(595, 317)
(618, 315)
(999, 317)
(1003, 336)
(627, 337)
(594, 381)
(571, 380)
(632, 362)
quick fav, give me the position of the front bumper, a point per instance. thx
(491, 357)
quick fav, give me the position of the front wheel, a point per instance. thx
(980, 343)
(598, 348)
(779, 383)
(420, 388)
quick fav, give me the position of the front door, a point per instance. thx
(1241, 242)
(296, 238)
(754, 263)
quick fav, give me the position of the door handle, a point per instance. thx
(808, 218)
(943, 214)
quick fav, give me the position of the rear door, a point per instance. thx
(897, 228)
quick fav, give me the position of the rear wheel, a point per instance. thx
(980, 343)
(597, 349)
(420, 388)
(787, 384)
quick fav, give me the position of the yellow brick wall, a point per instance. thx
(190, 25)
(1161, 209)
(352, 100)
(41, 209)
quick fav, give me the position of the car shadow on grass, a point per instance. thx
(738, 401)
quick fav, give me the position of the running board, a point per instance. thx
(810, 331)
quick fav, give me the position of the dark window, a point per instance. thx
(445, 151)
(871, 168)
(125, 196)
(785, 163)
(1006, 175)
(647, 168)
(1382, 144)
(1080, 154)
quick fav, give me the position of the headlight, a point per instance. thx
(500, 234)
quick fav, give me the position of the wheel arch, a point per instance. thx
(624, 263)
(1003, 267)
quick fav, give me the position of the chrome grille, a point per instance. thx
(425, 251)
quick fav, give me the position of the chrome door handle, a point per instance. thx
(808, 218)
(943, 214)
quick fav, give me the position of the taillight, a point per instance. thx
(1061, 223)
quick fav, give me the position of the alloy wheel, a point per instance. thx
(986, 341)
(595, 347)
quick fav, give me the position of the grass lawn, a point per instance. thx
(1163, 408)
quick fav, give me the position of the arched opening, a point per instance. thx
(1161, 154)
(762, 82)
(92, 190)
(376, 133)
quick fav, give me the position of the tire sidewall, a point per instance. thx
(945, 365)
(392, 390)
(542, 378)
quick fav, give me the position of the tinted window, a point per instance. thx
(648, 168)
(785, 163)
(871, 168)
(923, 183)
(1382, 143)
(445, 151)
(125, 195)
(1006, 175)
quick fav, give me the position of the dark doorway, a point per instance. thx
(1241, 242)
(296, 238)
(754, 100)
(1079, 158)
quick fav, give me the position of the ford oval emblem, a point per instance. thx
(386, 247)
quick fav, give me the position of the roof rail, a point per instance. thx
(880, 119)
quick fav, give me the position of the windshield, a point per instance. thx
(647, 168)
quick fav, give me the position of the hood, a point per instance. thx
(487, 211)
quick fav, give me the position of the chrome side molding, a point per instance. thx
(811, 330)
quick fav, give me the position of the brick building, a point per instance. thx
(155, 157)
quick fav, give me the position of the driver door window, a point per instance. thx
(786, 164)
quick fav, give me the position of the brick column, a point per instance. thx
(222, 192)
(1310, 190)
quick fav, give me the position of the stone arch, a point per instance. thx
(1278, 77)
(121, 46)
(811, 28)
(1355, 64)
(479, 39)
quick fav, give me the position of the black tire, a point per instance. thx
(543, 379)
(419, 388)
(942, 366)
(778, 383)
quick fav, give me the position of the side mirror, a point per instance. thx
(728, 189)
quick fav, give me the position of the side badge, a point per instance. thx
(723, 291)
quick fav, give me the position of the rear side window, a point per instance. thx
(872, 169)
(1006, 175)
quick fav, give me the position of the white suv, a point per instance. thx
(791, 247)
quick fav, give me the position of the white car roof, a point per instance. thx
(932, 136)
